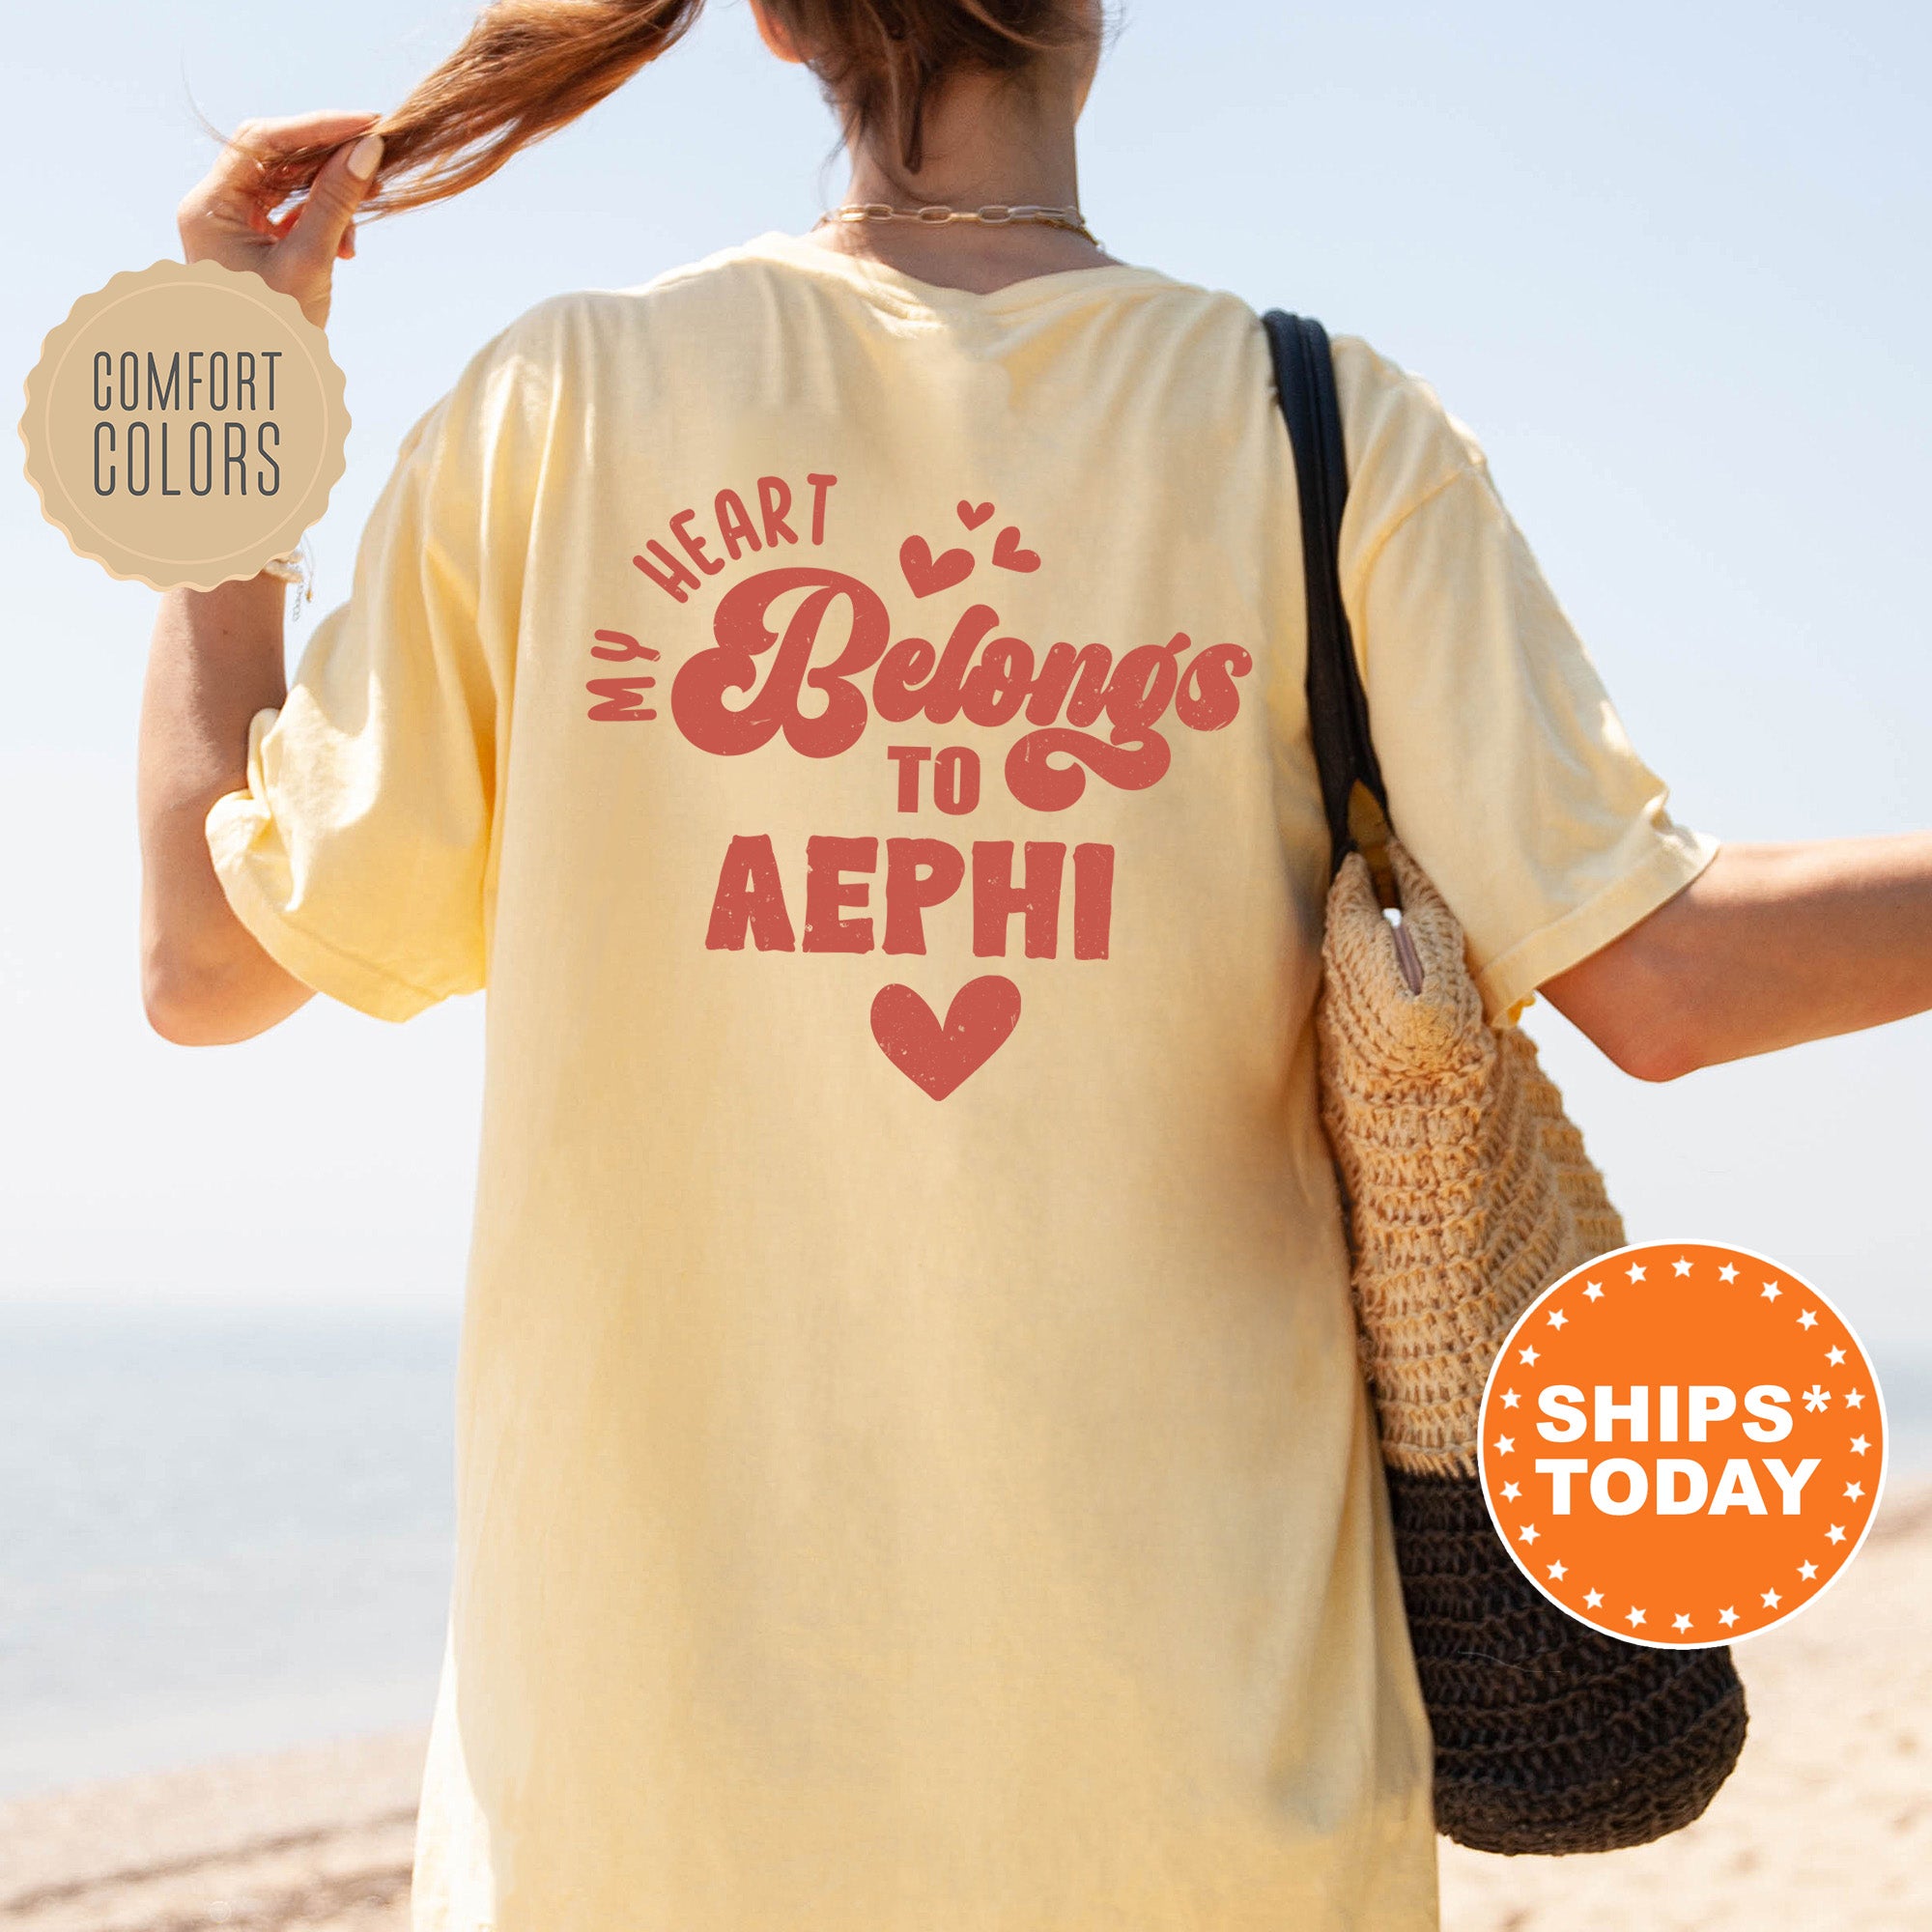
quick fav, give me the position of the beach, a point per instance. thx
(1827, 1822)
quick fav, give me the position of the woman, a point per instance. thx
(845, 700)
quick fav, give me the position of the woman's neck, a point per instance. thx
(986, 143)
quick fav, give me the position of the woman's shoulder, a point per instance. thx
(559, 354)
(716, 283)
(1403, 446)
(1403, 443)
(556, 330)
(1392, 416)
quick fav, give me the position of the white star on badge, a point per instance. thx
(1635, 1272)
(1807, 1570)
(1557, 1318)
(1772, 1600)
(1679, 1622)
(1528, 1355)
(1836, 1534)
(1816, 1398)
(1634, 1618)
(1505, 1446)
(1835, 1356)
(1727, 1616)
(1591, 1598)
(1511, 1398)
(1854, 1491)
(1854, 1400)
(1859, 1444)
(1727, 1273)
(1512, 1490)
(1771, 1290)
(1594, 1292)
(1808, 1320)
(1557, 1573)
(1680, 1266)
(1527, 1533)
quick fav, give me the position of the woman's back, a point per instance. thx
(846, 703)
(914, 1464)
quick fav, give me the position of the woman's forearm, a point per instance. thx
(216, 660)
(1770, 946)
(217, 654)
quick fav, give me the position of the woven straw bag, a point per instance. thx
(1468, 1192)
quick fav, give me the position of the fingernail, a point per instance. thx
(365, 157)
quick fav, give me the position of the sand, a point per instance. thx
(315, 1838)
(1825, 1824)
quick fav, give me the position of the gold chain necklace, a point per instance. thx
(935, 214)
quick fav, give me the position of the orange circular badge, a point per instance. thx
(1682, 1443)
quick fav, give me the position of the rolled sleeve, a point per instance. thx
(1511, 778)
(360, 852)
(252, 863)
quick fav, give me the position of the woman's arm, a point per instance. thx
(216, 661)
(1769, 946)
(217, 657)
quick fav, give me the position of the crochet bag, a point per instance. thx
(1467, 1193)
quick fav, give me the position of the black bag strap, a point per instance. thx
(1338, 707)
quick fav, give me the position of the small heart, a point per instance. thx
(937, 1058)
(1008, 553)
(926, 573)
(973, 514)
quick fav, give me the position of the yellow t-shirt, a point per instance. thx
(914, 1474)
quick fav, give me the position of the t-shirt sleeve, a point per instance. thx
(1511, 778)
(359, 855)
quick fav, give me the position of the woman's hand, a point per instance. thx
(230, 217)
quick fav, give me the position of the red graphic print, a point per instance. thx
(619, 647)
(1008, 553)
(809, 656)
(926, 573)
(985, 678)
(937, 1058)
(703, 685)
(620, 699)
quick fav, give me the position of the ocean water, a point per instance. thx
(226, 1532)
(219, 1532)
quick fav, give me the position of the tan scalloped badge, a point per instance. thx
(185, 425)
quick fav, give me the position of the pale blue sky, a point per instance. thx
(1669, 261)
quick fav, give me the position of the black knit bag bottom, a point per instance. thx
(1550, 1737)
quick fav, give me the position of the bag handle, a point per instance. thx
(1353, 795)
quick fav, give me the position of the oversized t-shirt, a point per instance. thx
(914, 1474)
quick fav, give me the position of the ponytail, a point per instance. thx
(528, 68)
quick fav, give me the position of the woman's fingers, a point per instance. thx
(230, 217)
(315, 240)
(230, 196)
(239, 163)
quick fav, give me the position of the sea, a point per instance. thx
(224, 1533)
(221, 1532)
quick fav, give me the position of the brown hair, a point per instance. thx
(529, 67)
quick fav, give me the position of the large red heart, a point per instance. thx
(938, 1058)
(926, 573)
(973, 514)
(1008, 553)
